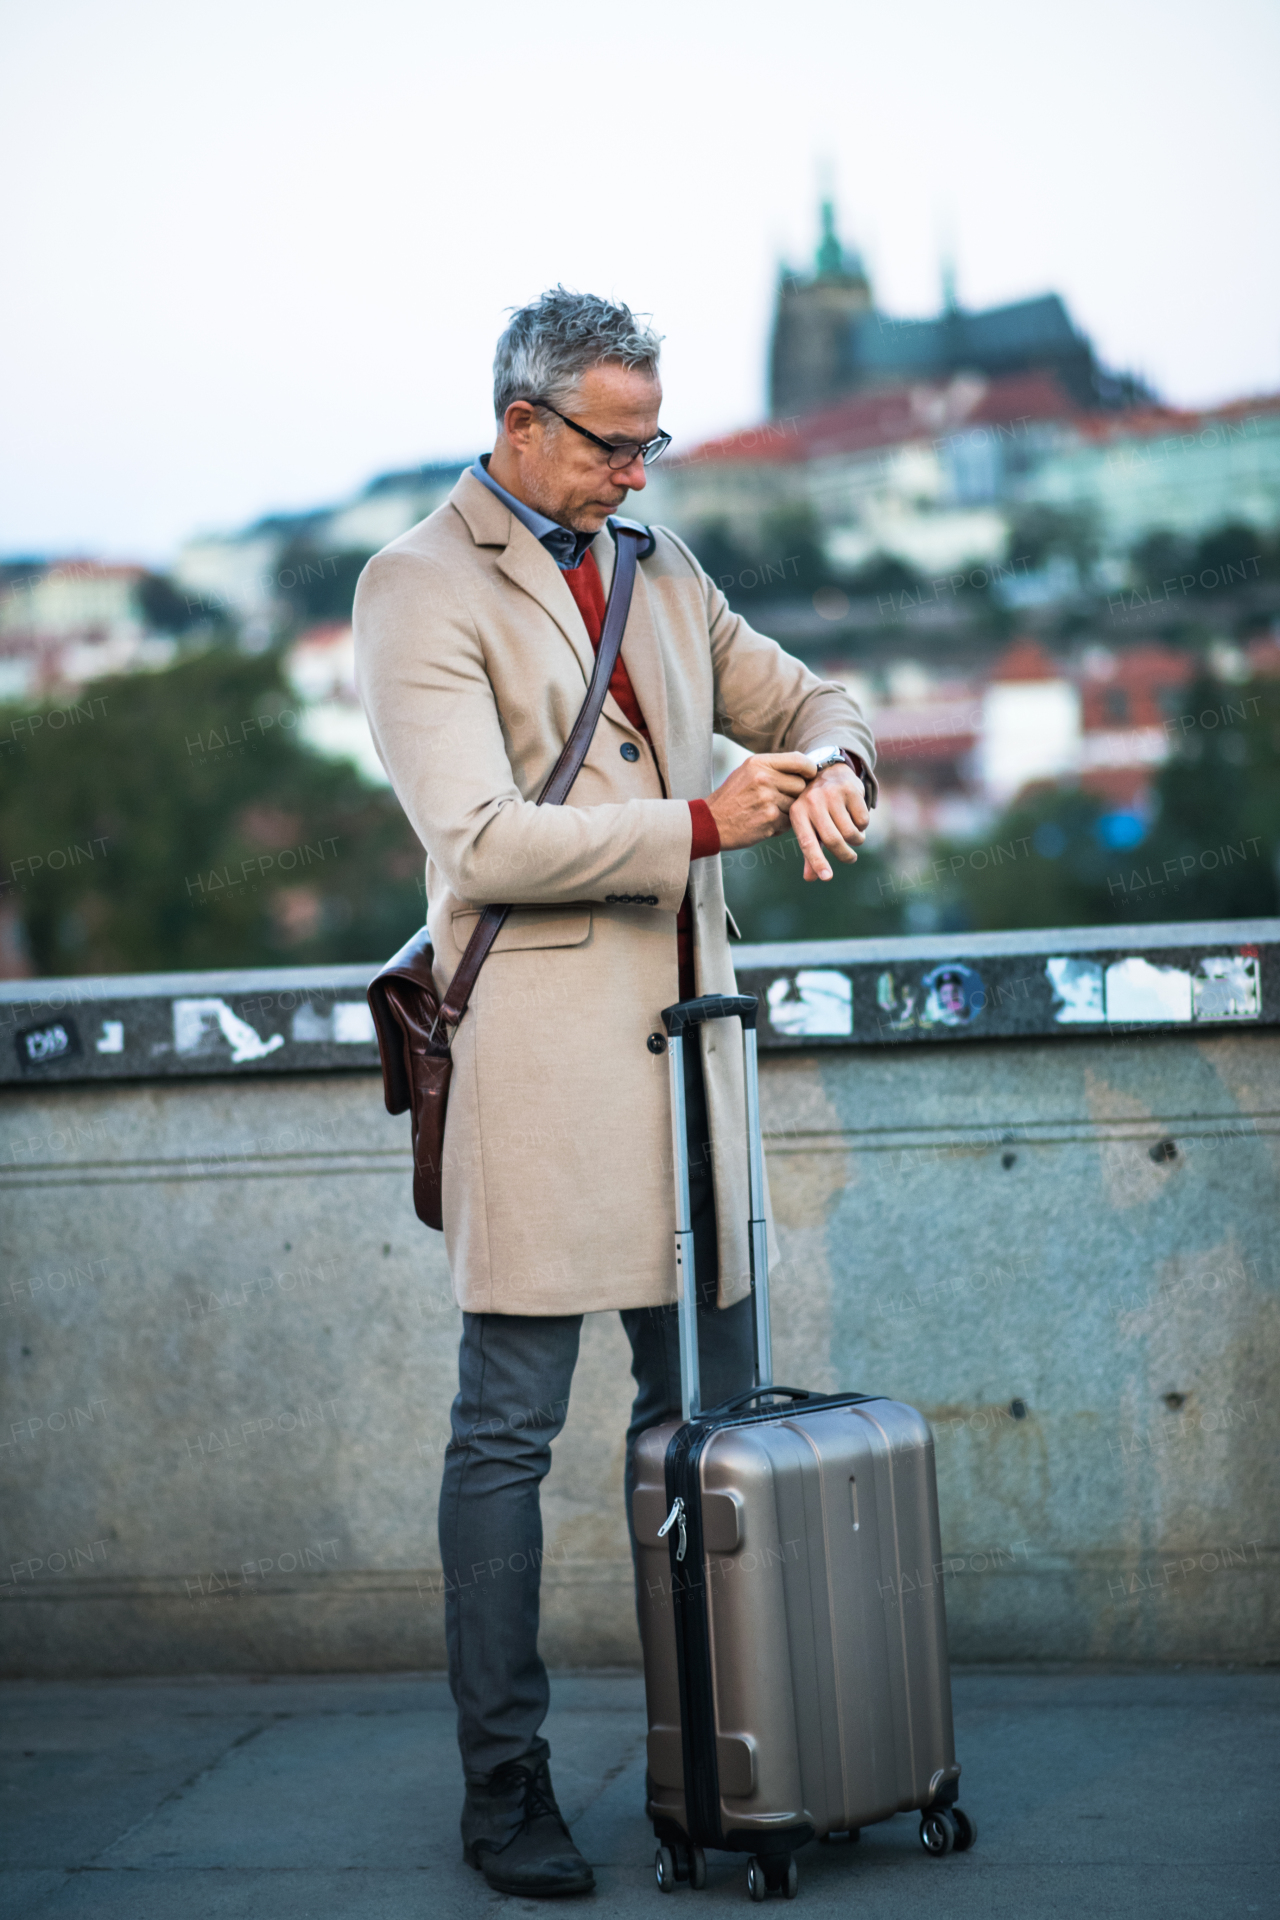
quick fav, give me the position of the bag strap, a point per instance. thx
(629, 538)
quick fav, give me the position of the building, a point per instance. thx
(321, 668)
(815, 320)
(1152, 469)
(922, 473)
(830, 340)
(248, 575)
(1131, 703)
(67, 622)
(954, 751)
(1031, 724)
(941, 476)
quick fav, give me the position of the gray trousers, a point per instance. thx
(514, 1373)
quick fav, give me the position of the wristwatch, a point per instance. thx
(829, 755)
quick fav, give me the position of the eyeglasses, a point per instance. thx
(619, 455)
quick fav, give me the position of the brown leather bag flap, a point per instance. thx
(411, 970)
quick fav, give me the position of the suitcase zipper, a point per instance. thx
(693, 1647)
(674, 1518)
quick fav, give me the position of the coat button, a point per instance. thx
(629, 750)
(657, 1043)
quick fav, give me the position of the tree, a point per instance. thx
(1041, 865)
(794, 555)
(785, 561)
(1159, 556)
(1234, 555)
(319, 586)
(165, 608)
(1216, 840)
(1210, 854)
(178, 822)
(770, 901)
(1040, 533)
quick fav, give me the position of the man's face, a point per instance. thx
(549, 466)
(951, 993)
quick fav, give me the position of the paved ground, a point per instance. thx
(1096, 1794)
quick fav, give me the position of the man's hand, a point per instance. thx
(831, 812)
(753, 803)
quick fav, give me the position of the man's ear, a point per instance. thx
(518, 423)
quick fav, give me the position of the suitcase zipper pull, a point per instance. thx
(675, 1518)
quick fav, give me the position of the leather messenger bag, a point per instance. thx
(411, 1020)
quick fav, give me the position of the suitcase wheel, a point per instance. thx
(679, 1863)
(966, 1830)
(946, 1830)
(776, 1872)
(939, 1832)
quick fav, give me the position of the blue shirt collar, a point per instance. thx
(564, 545)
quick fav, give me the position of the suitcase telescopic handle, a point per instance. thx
(685, 1017)
(712, 1006)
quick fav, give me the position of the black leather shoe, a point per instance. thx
(514, 1832)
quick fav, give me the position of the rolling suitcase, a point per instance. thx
(789, 1579)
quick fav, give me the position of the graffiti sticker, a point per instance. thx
(815, 1003)
(954, 995)
(41, 1046)
(1077, 987)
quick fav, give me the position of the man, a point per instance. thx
(474, 644)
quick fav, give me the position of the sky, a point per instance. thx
(260, 251)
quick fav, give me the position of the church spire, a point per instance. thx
(810, 354)
(834, 262)
(830, 253)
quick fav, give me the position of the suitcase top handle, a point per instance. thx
(739, 1400)
(712, 1006)
(756, 1404)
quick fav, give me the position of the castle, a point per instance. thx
(830, 341)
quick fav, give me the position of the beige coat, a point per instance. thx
(472, 661)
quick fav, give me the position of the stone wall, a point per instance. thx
(230, 1352)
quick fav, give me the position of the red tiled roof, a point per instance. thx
(1120, 787)
(326, 633)
(1025, 660)
(1264, 658)
(1131, 695)
(923, 411)
(1149, 423)
(928, 411)
(931, 730)
(73, 568)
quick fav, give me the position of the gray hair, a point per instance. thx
(550, 344)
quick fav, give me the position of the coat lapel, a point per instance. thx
(531, 568)
(527, 564)
(641, 656)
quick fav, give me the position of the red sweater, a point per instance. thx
(587, 588)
